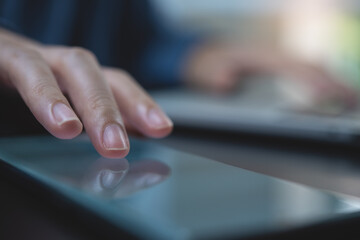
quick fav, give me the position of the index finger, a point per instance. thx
(81, 76)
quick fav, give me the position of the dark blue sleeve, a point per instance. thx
(122, 33)
(162, 60)
(6, 23)
(163, 51)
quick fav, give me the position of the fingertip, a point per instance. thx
(161, 133)
(65, 123)
(224, 85)
(69, 129)
(114, 153)
(157, 119)
(157, 123)
(119, 148)
(113, 142)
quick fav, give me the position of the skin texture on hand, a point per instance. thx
(219, 67)
(105, 101)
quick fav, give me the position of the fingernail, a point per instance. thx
(157, 119)
(110, 179)
(114, 138)
(62, 114)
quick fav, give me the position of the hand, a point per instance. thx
(218, 67)
(49, 78)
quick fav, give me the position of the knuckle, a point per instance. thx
(42, 88)
(101, 102)
(16, 55)
(78, 54)
(124, 75)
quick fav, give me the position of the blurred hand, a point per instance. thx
(43, 75)
(219, 67)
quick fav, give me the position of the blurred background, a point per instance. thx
(325, 32)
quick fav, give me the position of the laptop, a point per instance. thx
(260, 107)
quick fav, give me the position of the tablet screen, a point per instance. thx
(160, 193)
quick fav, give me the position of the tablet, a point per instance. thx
(161, 193)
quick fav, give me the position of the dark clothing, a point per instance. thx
(121, 33)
